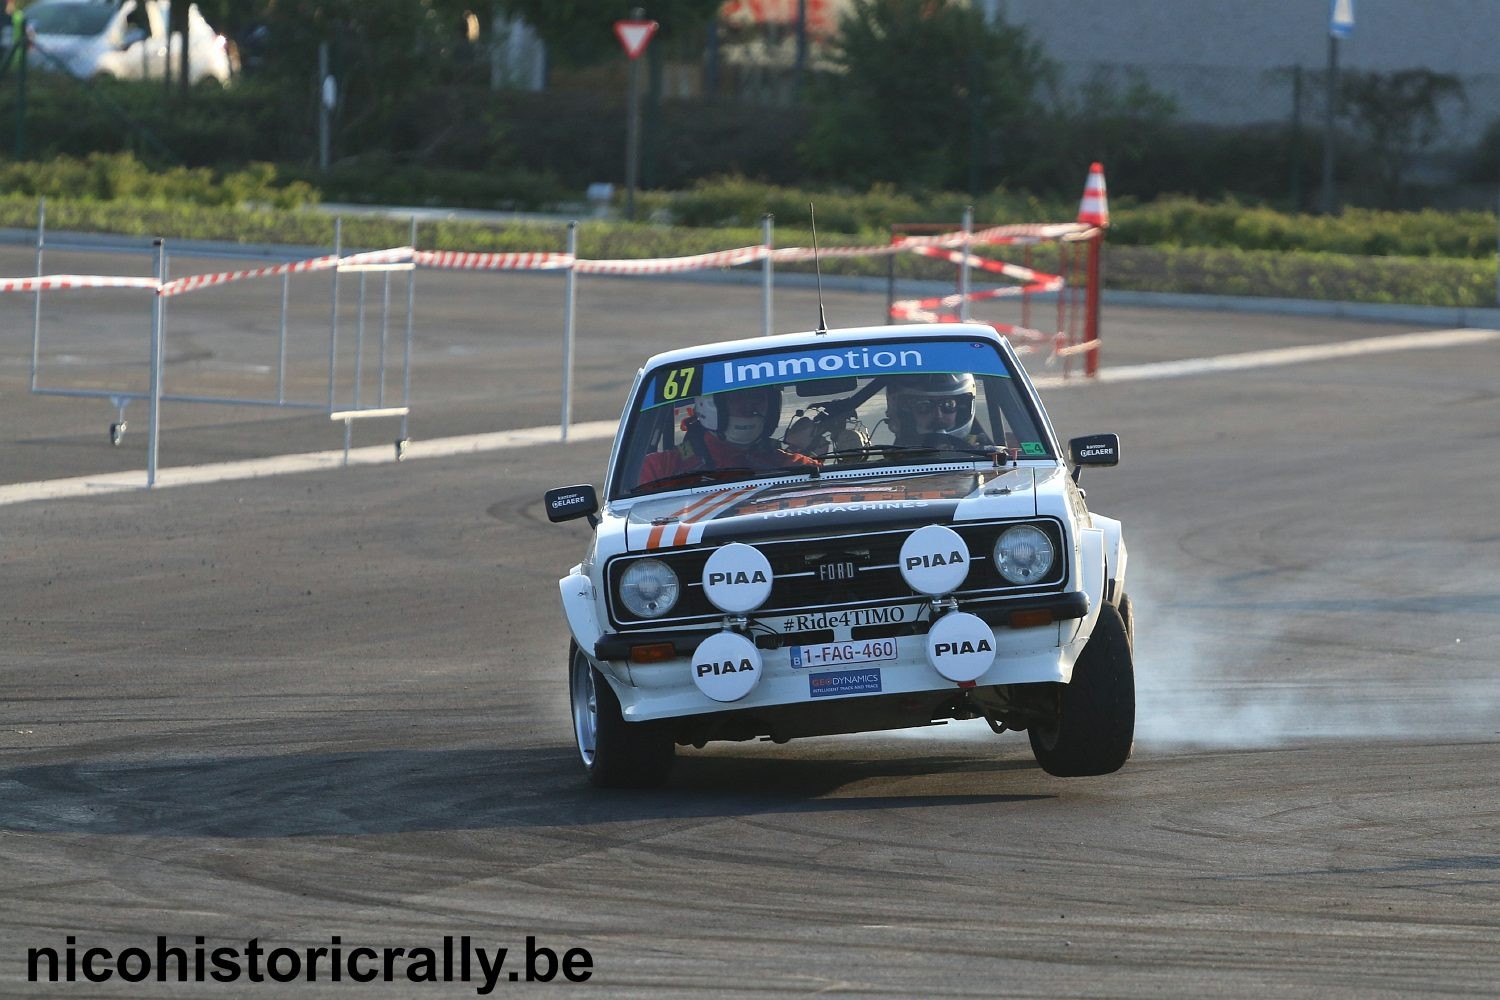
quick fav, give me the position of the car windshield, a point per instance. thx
(70, 18)
(869, 404)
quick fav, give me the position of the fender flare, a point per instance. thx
(577, 592)
(1115, 558)
(1092, 576)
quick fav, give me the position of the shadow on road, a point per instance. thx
(395, 791)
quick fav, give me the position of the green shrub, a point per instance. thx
(382, 181)
(1180, 222)
(121, 177)
(1325, 276)
(736, 201)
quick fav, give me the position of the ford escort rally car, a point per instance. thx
(838, 532)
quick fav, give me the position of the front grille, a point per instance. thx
(876, 578)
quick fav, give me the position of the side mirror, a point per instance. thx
(1095, 449)
(568, 503)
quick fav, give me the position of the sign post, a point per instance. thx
(1340, 25)
(634, 36)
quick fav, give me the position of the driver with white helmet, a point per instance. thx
(728, 430)
(932, 410)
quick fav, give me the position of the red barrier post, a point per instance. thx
(1091, 305)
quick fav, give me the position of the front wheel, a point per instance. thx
(1095, 726)
(615, 753)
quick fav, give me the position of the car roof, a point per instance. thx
(847, 335)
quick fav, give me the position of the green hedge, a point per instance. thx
(119, 177)
(1324, 276)
(735, 201)
(1174, 245)
(1206, 270)
(1181, 222)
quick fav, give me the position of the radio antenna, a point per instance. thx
(817, 269)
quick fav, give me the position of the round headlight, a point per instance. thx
(648, 588)
(1024, 554)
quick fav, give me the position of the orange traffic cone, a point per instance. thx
(1093, 210)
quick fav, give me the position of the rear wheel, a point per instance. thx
(615, 753)
(1127, 615)
(1095, 726)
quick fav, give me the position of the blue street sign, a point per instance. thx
(1341, 19)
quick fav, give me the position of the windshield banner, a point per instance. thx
(678, 385)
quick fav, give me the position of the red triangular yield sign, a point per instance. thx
(634, 35)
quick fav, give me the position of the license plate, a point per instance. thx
(834, 654)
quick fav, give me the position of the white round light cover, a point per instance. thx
(934, 560)
(726, 666)
(737, 578)
(961, 646)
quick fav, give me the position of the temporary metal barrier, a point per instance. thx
(384, 263)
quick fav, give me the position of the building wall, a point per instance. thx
(1232, 61)
(1450, 36)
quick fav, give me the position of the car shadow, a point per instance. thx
(401, 791)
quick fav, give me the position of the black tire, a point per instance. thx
(1127, 615)
(615, 753)
(1095, 728)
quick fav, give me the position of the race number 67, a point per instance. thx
(677, 384)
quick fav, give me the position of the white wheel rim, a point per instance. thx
(585, 709)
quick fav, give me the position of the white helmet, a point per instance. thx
(713, 413)
(904, 392)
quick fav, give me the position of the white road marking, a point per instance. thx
(280, 465)
(192, 475)
(1277, 356)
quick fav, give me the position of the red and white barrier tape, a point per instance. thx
(460, 261)
(985, 264)
(57, 282)
(940, 246)
(192, 283)
(1083, 348)
(828, 253)
(1053, 284)
(379, 260)
(669, 265)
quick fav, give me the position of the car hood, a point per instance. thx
(60, 45)
(68, 48)
(759, 510)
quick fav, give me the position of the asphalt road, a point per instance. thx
(334, 703)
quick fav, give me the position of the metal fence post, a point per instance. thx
(411, 298)
(23, 46)
(153, 433)
(359, 339)
(333, 324)
(385, 330)
(1091, 307)
(767, 275)
(281, 343)
(569, 315)
(890, 282)
(36, 318)
(963, 268)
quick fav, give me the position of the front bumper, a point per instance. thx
(1023, 655)
(1063, 607)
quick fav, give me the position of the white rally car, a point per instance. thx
(840, 532)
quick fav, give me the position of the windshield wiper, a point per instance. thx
(875, 449)
(913, 451)
(698, 476)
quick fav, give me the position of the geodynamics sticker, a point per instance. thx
(843, 682)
